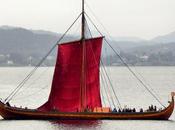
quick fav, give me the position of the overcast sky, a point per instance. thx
(138, 18)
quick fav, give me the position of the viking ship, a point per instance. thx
(75, 90)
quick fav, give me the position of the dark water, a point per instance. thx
(36, 91)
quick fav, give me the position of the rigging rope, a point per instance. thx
(107, 94)
(94, 58)
(148, 84)
(24, 97)
(106, 87)
(133, 73)
(120, 48)
(102, 66)
(112, 87)
(103, 97)
(32, 82)
(11, 95)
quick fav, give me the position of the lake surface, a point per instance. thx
(129, 91)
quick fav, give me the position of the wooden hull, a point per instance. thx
(16, 113)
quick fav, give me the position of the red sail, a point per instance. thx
(65, 91)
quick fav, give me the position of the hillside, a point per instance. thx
(20, 46)
(23, 47)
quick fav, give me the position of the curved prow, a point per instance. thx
(169, 110)
(172, 95)
(172, 99)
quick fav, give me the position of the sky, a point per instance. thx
(121, 18)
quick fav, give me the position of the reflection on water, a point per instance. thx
(128, 90)
(75, 124)
(50, 125)
(85, 125)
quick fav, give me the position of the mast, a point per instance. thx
(83, 72)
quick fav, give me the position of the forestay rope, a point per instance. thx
(13, 93)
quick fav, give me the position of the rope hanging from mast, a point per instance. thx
(20, 85)
(132, 72)
(105, 74)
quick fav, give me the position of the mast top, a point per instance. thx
(83, 22)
